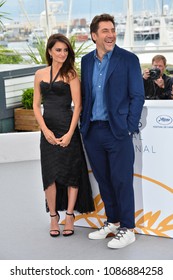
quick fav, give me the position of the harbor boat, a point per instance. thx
(146, 28)
(143, 28)
(37, 34)
(3, 41)
(120, 30)
(146, 33)
(80, 35)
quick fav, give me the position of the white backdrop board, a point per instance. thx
(153, 170)
(153, 174)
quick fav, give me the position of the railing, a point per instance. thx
(12, 83)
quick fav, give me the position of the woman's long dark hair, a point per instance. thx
(68, 65)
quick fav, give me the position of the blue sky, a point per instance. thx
(81, 7)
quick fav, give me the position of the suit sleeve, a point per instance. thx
(136, 95)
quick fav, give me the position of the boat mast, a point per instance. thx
(48, 32)
(24, 12)
(69, 17)
(129, 32)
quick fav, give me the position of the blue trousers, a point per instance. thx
(112, 163)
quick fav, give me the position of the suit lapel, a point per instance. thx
(113, 62)
(90, 66)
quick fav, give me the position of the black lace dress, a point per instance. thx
(64, 166)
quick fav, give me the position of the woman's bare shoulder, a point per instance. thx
(73, 76)
(42, 73)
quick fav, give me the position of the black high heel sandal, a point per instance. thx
(55, 230)
(71, 230)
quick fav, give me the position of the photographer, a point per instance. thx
(157, 84)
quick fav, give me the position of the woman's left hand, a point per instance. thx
(64, 141)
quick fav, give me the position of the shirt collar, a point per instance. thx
(108, 54)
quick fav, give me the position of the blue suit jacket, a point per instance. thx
(124, 92)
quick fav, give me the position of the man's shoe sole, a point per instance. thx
(111, 234)
(121, 245)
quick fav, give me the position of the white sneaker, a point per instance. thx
(123, 238)
(107, 230)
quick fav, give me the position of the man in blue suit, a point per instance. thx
(112, 97)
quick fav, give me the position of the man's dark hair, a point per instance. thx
(94, 26)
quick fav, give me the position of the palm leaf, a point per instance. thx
(3, 14)
(41, 48)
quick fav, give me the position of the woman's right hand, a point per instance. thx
(50, 137)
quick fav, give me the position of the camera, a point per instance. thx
(154, 73)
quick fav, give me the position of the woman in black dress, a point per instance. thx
(64, 169)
